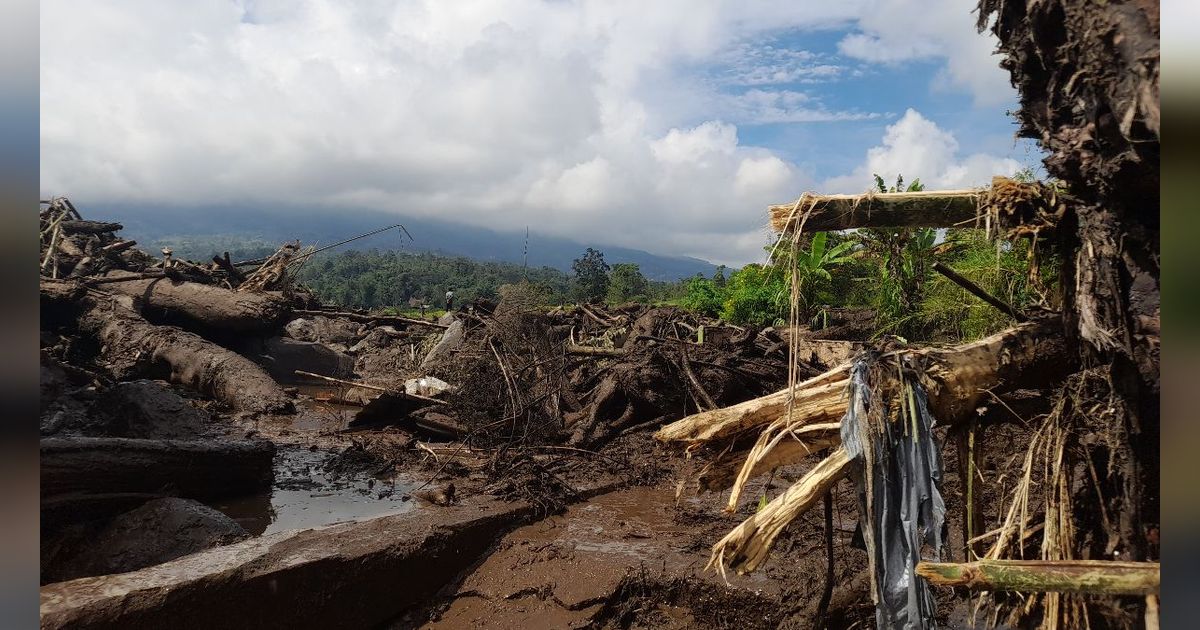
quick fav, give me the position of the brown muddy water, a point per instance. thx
(304, 496)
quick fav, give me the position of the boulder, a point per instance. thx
(150, 410)
(451, 339)
(159, 531)
(282, 356)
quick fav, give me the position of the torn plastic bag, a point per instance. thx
(899, 476)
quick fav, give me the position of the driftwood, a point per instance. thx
(131, 344)
(824, 213)
(1096, 577)
(371, 319)
(958, 380)
(118, 246)
(80, 470)
(223, 262)
(89, 227)
(207, 306)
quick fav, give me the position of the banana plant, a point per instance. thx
(814, 265)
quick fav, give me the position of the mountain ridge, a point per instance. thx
(148, 224)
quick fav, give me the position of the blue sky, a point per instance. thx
(666, 126)
(881, 92)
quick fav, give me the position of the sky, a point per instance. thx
(668, 126)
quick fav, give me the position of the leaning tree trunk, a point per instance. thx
(1088, 77)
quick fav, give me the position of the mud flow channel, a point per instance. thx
(585, 567)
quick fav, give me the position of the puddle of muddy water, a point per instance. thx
(303, 496)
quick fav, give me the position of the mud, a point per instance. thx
(308, 492)
(635, 558)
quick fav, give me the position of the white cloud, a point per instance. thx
(770, 64)
(916, 147)
(897, 31)
(569, 116)
(758, 106)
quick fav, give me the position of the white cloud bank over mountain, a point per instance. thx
(569, 117)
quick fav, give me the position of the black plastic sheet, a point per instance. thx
(899, 476)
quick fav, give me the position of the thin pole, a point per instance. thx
(259, 261)
(978, 292)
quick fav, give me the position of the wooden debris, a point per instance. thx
(810, 439)
(89, 227)
(958, 380)
(595, 350)
(819, 399)
(200, 469)
(1095, 577)
(393, 392)
(746, 547)
(978, 292)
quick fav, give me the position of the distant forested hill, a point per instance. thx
(198, 232)
(375, 278)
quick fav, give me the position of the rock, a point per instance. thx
(301, 329)
(324, 329)
(451, 339)
(159, 531)
(428, 386)
(282, 356)
(150, 410)
(447, 318)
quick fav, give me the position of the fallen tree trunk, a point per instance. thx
(81, 472)
(208, 306)
(821, 399)
(825, 213)
(1095, 577)
(131, 344)
(361, 574)
(957, 380)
